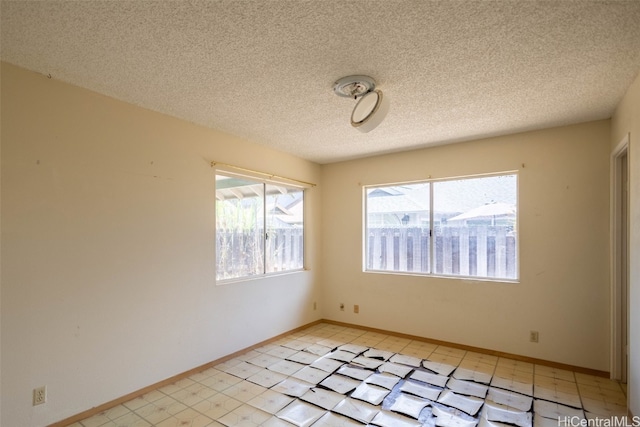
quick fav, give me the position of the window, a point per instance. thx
(459, 227)
(259, 227)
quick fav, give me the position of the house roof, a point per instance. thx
(454, 70)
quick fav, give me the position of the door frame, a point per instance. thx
(619, 297)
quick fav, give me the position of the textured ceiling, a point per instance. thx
(264, 70)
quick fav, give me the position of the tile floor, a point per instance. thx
(328, 375)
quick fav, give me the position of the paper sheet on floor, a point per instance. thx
(300, 413)
(439, 367)
(353, 348)
(421, 390)
(378, 354)
(292, 387)
(370, 393)
(467, 388)
(472, 375)
(470, 405)
(385, 380)
(389, 419)
(326, 364)
(446, 418)
(406, 360)
(361, 411)
(326, 399)
(354, 372)
(510, 399)
(342, 355)
(334, 420)
(429, 378)
(340, 383)
(367, 362)
(395, 369)
(409, 405)
(496, 412)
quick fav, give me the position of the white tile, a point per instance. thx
(556, 411)
(217, 406)
(244, 391)
(303, 357)
(286, 367)
(245, 416)
(311, 375)
(221, 381)
(243, 370)
(187, 418)
(292, 387)
(264, 360)
(271, 401)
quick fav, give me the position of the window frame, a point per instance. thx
(264, 182)
(432, 232)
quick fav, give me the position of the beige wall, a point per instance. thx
(626, 121)
(564, 287)
(108, 281)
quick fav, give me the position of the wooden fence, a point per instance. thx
(241, 254)
(481, 251)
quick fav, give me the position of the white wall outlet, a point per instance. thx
(533, 336)
(315, 306)
(341, 307)
(39, 395)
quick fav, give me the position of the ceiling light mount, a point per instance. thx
(372, 106)
(353, 86)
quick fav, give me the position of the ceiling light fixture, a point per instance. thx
(372, 106)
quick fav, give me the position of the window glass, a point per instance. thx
(397, 230)
(239, 228)
(475, 227)
(285, 221)
(250, 243)
(461, 227)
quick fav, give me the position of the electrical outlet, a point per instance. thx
(356, 309)
(533, 336)
(39, 395)
(315, 306)
(341, 307)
